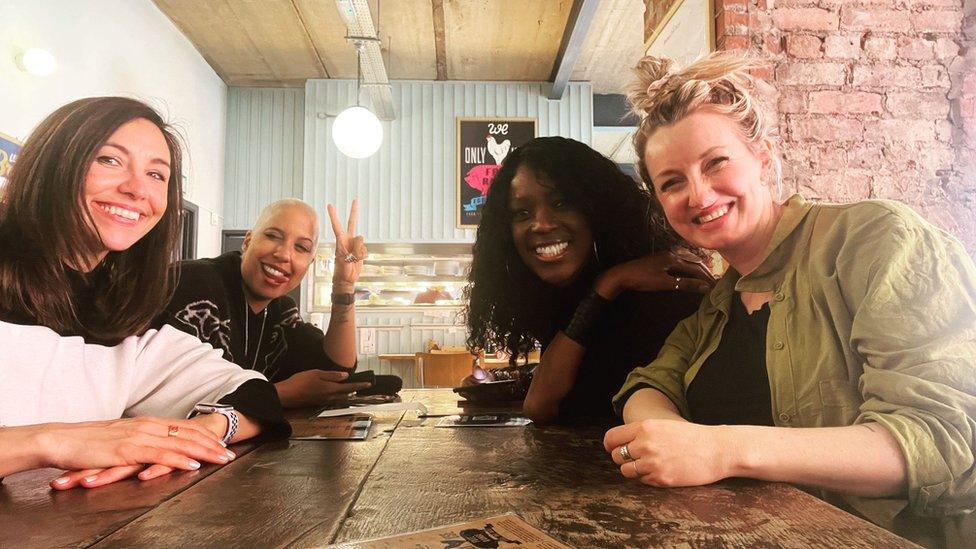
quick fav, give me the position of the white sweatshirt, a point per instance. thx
(45, 377)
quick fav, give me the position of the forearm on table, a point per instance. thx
(553, 379)
(339, 343)
(863, 460)
(21, 449)
(649, 403)
(217, 424)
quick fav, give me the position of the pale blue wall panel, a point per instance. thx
(408, 188)
(265, 150)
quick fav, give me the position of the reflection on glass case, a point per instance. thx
(399, 275)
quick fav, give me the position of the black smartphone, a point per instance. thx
(367, 376)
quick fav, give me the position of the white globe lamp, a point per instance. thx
(37, 62)
(357, 132)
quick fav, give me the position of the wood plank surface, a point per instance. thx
(34, 515)
(562, 481)
(266, 499)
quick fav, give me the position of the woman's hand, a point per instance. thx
(350, 251)
(670, 453)
(658, 272)
(102, 452)
(315, 387)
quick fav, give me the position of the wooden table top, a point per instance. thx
(409, 475)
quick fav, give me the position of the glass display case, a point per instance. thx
(397, 276)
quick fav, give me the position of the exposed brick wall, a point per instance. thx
(875, 98)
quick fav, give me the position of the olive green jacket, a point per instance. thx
(872, 319)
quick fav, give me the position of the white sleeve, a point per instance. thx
(175, 371)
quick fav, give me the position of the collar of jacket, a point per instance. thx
(768, 275)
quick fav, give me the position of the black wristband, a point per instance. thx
(343, 299)
(586, 318)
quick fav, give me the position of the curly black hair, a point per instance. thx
(508, 306)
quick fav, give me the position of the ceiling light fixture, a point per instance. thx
(37, 62)
(356, 131)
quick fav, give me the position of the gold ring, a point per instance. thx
(173, 431)
(636, 472)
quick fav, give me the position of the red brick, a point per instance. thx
(812, 19)
(937, 21)
(943, 130)
(935, 76)
(732, 24)
(829, 102)
(733, 43)
(863, 19)
(885, 76)
(946, 49)
(915, 48)
(967, 107)
(830, 129)
(846, 46)
(792, 101)
(731, 5)
(773, 44)
(813, 74)
(936, 3)
(918, 103)
(760, 21)
(880, 48)
(899, 130)
(865, 156)
(804, 46)
(839, 186)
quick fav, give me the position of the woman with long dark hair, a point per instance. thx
(89, 224)
(568, 254)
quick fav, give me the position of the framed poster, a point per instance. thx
(9, 147)
(482, 145)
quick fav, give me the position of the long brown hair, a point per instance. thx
(44, 226)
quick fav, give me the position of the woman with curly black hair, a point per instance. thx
(570, 254)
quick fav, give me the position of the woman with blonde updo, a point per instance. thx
(855, 323)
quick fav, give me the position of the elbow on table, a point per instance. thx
(540, 412)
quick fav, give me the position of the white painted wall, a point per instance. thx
(120, 47)
(686, 36)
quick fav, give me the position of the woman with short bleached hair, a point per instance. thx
(837, 351)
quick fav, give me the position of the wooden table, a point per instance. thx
(410, 475)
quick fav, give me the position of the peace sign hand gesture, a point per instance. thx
(350, 251)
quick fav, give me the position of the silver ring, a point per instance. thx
(350, 258)
(677, 281)
(625, 453)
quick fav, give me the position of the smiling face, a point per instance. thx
(551, 236)
(126, 185)
(277, 252)
(708, 180)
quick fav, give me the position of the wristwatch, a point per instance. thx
(225, 410)
(343, 299)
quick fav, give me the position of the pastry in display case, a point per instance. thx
(399, 275)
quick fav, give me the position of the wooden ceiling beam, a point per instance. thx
(440, 46)
(577, 25)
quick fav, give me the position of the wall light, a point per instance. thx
(37, 62)
(356, 131)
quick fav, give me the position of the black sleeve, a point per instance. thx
(305, 346)
(258, 400)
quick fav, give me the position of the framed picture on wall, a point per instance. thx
(482, 145)
(9, 147)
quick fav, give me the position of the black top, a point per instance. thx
(629, 335)
(732, 386)
(209, 304)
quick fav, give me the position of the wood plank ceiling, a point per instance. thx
(285, 42)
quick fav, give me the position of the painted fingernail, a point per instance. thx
(231, 455)
(223, 458)
(193, 464)
(91, 479)
(61, 480)
(222, 443)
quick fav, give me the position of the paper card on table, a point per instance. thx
(351, 427)
(371, 408)
(503, 531)
(483, 420)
